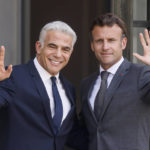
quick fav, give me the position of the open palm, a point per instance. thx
(146, 48)
(4, 73)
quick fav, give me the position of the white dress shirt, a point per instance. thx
(45, 76)
(112, 70)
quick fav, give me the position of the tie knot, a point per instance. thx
(104, 75)
(53, 78)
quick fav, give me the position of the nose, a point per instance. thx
(105, 45)
(58, 52)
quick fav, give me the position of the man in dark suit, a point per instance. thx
(27, 103)
(116, 99)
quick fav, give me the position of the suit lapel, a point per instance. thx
(42, 91)
(120, 74)
(90, 88)
(71, 96)
(67, 90)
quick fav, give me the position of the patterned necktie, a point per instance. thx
(58, 106)
(101, 94)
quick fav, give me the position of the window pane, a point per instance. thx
(139, 9)
(137, 47)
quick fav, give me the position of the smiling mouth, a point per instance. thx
(54, 62)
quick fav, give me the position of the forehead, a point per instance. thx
(58, 36)
(104, 31)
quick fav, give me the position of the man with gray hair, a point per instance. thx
(37, 104)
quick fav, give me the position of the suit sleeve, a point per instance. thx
(78, 137)
(144, 84)
(6, 90)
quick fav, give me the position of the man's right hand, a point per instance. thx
(4, 73)
(145, 42)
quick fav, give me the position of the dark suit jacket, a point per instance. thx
(125, 119)
(25, 116)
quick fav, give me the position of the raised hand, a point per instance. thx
(4, 73)
(146, 48)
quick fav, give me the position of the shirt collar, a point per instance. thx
(113, 68)
(43, 73)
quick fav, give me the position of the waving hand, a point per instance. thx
(146, 48)
(4, 73)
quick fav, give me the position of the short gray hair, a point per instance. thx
(58, 26)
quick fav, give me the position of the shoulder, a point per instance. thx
(23, 69)
(140, 69)
(133, 68)
(65, 81)
(87, 82)
(21, 73)
(89, 78)
(67, 85)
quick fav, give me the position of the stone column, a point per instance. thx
(124, 9)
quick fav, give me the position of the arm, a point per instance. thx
(145, 42)
(78, 137)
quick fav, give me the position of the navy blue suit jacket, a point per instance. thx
(25, 116)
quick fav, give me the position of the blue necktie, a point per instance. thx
(58, 106)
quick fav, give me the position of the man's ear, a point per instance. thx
(124, 43)
(38, 47)
(92, 46)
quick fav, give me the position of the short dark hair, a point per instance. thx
(109, 19)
